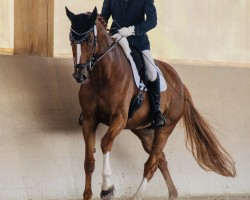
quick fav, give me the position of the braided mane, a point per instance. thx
(100, 18)
(102, 21)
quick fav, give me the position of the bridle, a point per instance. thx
(84, 38)
(78, 76)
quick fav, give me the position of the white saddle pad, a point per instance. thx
(163, 84)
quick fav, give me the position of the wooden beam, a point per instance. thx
(34, 27)
(7, 51)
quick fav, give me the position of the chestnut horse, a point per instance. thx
(105, 95)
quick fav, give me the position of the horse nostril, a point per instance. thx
(84, 77)
(81, 78)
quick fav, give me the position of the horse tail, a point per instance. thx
(205, 147)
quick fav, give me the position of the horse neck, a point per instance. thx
(112, 67)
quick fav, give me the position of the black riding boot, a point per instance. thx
(157, 119)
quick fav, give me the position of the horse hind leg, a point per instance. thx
(163, 166)
(147, 136)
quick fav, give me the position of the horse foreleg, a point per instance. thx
(116, 126)
(108, 190)
(156, 160)
(88, 129)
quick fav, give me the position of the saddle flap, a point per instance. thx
(137, 56)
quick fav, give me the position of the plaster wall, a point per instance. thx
(214, 30)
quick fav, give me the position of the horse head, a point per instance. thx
(83, 40)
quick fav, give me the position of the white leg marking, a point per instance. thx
(78, 53)
(139, 194)
(106, 172)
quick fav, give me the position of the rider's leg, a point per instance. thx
(123, 42)
(158, 120)
(150, 65)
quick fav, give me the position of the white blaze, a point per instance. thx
(78, 53)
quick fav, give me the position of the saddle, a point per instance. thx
(140, 65)
(139, 62)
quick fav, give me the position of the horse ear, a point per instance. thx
(93, 16)
(69, 14)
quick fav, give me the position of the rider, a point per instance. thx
(129, 20)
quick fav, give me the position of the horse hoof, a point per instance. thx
(108, 194)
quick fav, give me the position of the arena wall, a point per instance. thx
(214, 30)
(42, 148)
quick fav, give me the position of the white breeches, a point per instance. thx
(148, 58)
(150, 65)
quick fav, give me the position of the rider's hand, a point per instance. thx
(116, 36)
(127, 31)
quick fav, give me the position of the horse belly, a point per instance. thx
(141, 118)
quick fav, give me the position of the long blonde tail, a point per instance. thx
(205, 147)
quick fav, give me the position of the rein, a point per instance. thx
(109, 49)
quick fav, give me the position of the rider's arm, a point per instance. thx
(151, 19)
(106, 10)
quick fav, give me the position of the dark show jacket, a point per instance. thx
(132, 13)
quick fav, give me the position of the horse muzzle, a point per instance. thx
(80, 75)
